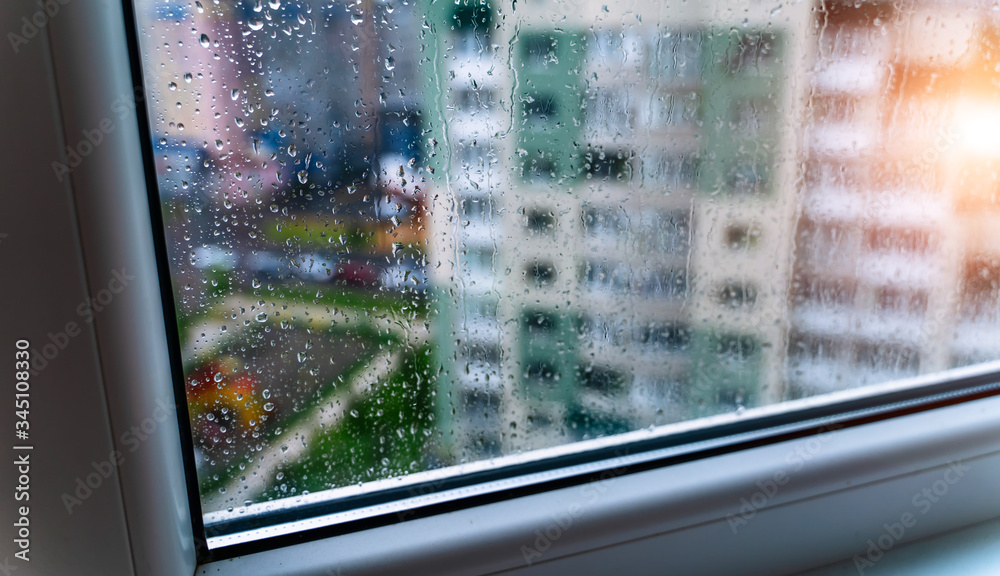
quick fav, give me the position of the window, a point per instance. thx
(359, 225)
(540, 50)
(540, 107)
(752, 53)
(541, 273)
(608, 165)
(737, 294)
(742, 237)
(603, 221)
(471, 22)
(676, 53)
(675, 110)
(540, 221)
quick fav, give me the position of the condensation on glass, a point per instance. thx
(406, 236)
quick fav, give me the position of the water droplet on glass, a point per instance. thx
(172, 86)
(262, 317)
(303, 176)
(204, 41)
(255, 283)
(217, 377)
(268, 406)
(235, 94)
(255, 23)
(274, 4)
(218, 144)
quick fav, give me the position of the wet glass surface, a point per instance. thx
(405, 236)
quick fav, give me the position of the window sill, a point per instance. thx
(973, 551)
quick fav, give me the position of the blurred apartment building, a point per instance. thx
(610, 196)
(896, 254)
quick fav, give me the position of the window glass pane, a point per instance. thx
(409, 237)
